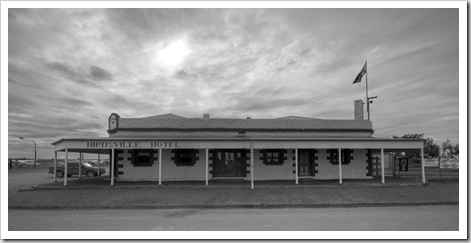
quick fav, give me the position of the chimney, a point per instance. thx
(205, 116)
(358, 110)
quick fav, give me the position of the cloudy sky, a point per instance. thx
(69, 69)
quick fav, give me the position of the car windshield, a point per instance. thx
(86, 164)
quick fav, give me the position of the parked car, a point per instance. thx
(73, 169)
(95, 163)
(24, 163)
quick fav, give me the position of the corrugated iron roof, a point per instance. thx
(177, 122)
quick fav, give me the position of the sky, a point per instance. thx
(69, 69)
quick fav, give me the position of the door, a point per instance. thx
(229, 163)
(305, 162)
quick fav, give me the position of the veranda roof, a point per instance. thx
(103, 145)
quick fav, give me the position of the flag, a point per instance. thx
(360, 75)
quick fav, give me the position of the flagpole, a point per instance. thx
(367, 101)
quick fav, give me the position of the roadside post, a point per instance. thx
(439, 167)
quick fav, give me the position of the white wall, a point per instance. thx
(273, 172)
(357, 169)
(132, 173)
(172, 172)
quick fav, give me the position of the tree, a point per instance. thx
(430, 148)
(456, 149)
(414, 136)
(448, 149)
(414, 153)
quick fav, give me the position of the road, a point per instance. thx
(414, 218)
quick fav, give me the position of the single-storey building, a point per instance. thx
(173, 148)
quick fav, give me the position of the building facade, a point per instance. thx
(173, 148)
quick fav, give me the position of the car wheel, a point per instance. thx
(60, 173)
(90, 173)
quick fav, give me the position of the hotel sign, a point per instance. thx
(131, 144)
(97, 144)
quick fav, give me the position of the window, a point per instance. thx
(334, 156)
(141, 157)
(273, 156)
(185, 157)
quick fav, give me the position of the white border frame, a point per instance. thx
(461, 234)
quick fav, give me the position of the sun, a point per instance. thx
(173, 54)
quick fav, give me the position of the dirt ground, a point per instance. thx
(442, 192)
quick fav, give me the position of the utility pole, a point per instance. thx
(368, 102)
(34, 150)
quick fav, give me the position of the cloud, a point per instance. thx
(75, 74)
(182, 74)
(69, 69)
(99, 74)
(69, 72)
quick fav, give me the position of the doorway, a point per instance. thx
(306, 162)
(229, 162)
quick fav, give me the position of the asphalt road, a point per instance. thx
(414, 218)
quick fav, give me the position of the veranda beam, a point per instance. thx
(65, 166)
(423, 164)
(160, 166)
(296, 167)
(80, 165)
(382, 165)
(207, 165)
(112, 167)
(55, 166)
(99, 164)
(251, 165)
(340, 166)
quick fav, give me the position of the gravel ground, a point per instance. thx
(97, 193)
(175, 197)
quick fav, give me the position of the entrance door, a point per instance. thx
(229, 163)
(305, 162)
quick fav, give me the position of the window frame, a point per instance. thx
(268, 160)
(345, 153)
(136, 163)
